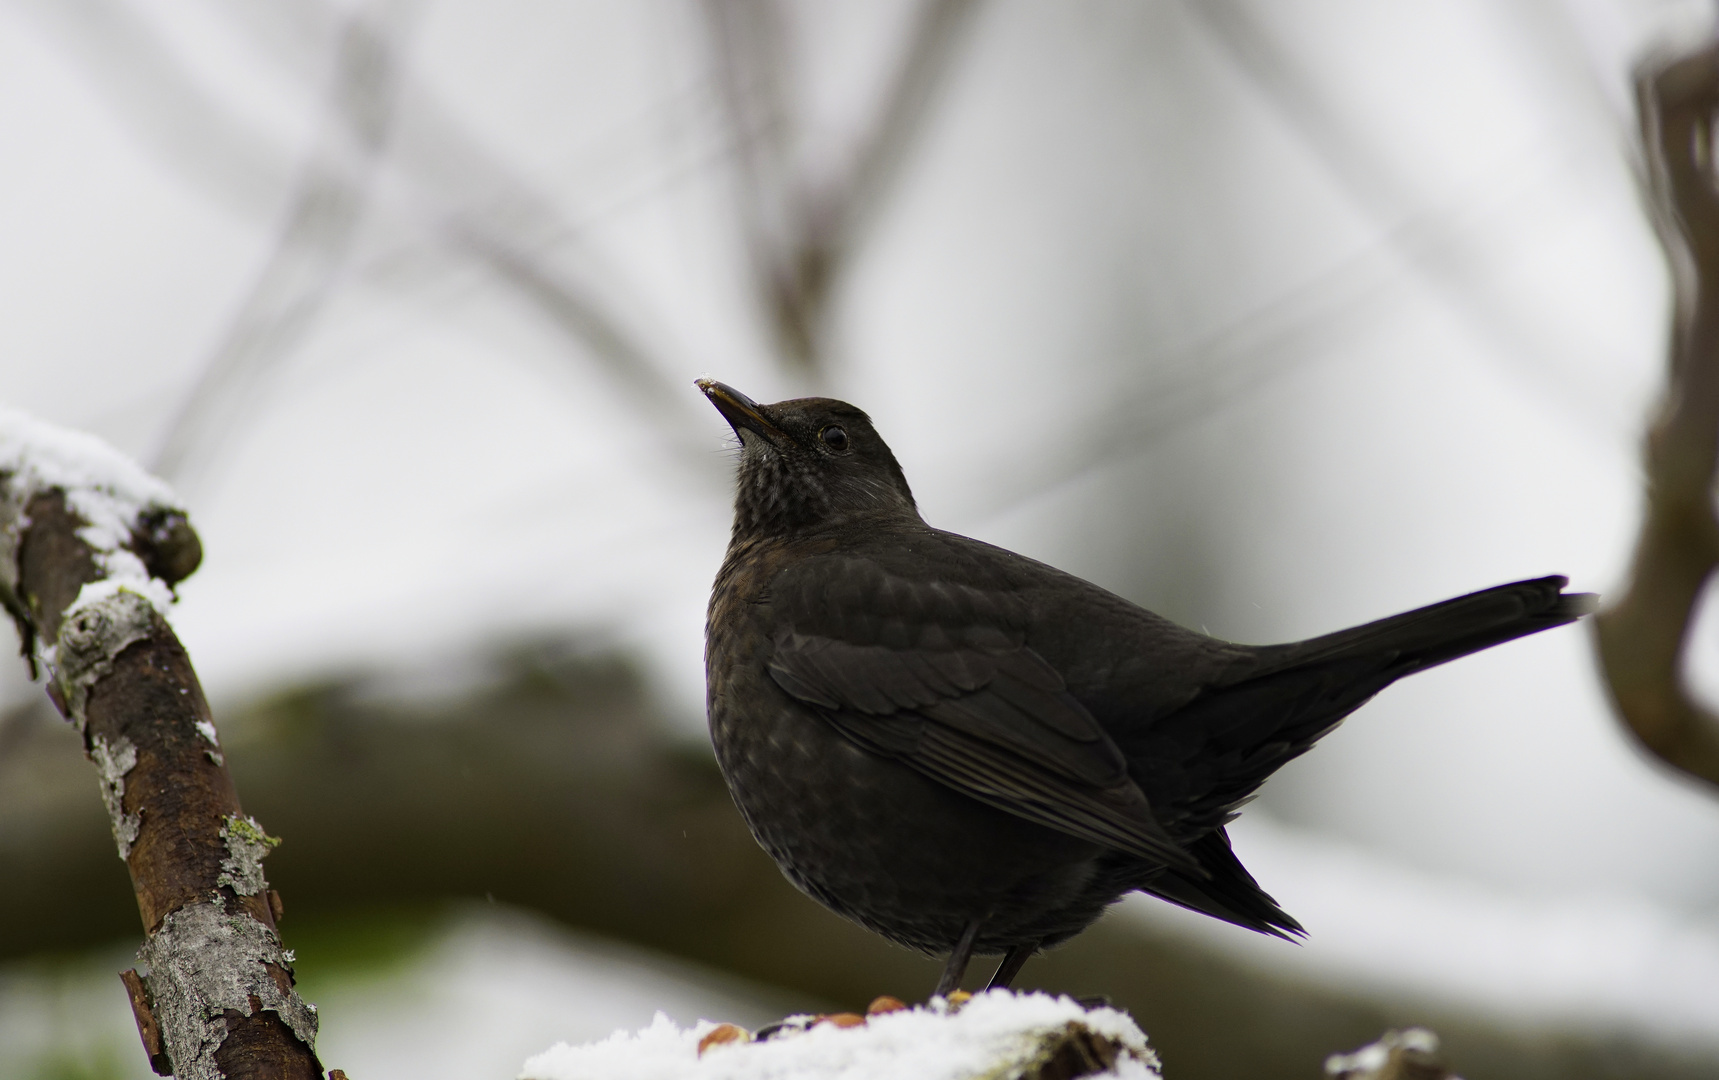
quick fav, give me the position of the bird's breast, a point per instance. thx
(862, 832)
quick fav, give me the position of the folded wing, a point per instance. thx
(938, 675)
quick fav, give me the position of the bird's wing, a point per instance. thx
(938, 675)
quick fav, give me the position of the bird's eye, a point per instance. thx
(834, 438)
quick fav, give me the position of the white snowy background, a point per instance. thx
(1273, 317)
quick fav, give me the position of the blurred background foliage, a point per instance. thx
(1272, 317)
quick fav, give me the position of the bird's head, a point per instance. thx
(807, 463)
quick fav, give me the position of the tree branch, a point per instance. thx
(1642, 637)
(88, 554)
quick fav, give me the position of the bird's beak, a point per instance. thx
(740, 411)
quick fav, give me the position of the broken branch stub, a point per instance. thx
(1641, 638)
(89, 550)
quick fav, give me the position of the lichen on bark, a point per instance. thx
(204, 963)
(112, 761)
(247, 844)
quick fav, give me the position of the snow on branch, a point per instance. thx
(90, 548)
(132, 528)
(995, 1034)
(1410, 1054)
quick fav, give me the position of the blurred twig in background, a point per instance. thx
(1641, 638)
(1448, 252)
(314, 242)
(1179, 385)
(801, 228)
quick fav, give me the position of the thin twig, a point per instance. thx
(751, 64)
(1448, 259)
(470, 205)
(312, 247)
(906, 105)
(478, 209)
(800, 237)
(1170, 388)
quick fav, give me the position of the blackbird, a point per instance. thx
(968, 751)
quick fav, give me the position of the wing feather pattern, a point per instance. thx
(940, 677)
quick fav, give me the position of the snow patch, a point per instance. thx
(125, 574)
(109, 491)
(114, 498)
(207, 730)
(1411, 1052)
(106, 488)
(997, 1033)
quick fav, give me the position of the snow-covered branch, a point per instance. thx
(90, 548)
(995, 1034)
(1410, 1054)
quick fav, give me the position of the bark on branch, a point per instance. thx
(89, 550)
(1642, 637)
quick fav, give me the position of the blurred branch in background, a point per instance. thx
(1641, 638)
(1177, 386)
(314, 242)
(1449, 253)
(801, 228)
(470, 204)
(801, 225)
(462, 200)
(553, 783)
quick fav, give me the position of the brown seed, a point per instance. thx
(843, 1020)
(721, 1035)
(885, 1004)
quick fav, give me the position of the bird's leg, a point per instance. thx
(1011, 965)
(958, 958)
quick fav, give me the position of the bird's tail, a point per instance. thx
(1432, 635)
(1209, 757)
(1227, 892)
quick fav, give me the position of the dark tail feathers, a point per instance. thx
(1228, 893)
(1432, 635)
(1201, 763)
